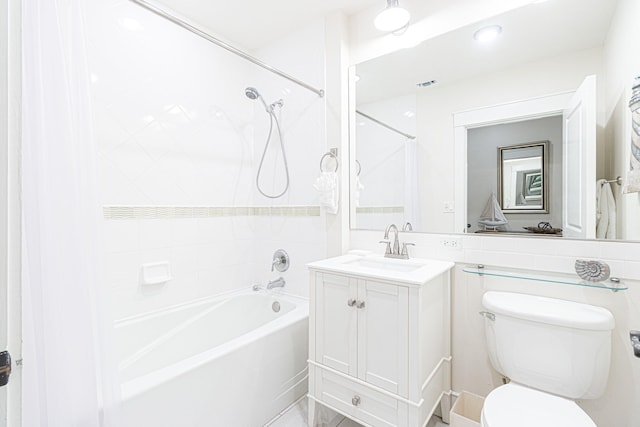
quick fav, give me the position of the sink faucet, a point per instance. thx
(395, 252)
(396, 242)
(276, 283)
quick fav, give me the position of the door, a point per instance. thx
(10, 309)
(336, 322)
(383, 335)
(579, 163)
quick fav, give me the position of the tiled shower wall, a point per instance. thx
(179, 145)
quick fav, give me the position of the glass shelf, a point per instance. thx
(611, 284)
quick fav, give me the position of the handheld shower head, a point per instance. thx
(252, 93)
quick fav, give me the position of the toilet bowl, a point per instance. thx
(514, 405)
(554, 352)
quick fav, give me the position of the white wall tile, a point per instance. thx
(121, 236)
(175, 128)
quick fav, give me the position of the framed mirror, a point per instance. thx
(419, 91)
(523, 178)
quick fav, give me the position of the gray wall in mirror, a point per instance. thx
(524, 63)
(482, 162)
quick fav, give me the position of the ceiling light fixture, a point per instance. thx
(487, 33)
(393, 18)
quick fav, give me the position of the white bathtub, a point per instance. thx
(231, 361)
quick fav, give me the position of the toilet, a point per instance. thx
(553, 351)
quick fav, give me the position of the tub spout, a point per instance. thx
(276, 283)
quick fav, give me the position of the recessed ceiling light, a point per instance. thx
(409, 114)
(392, 18)
(130, 24)
(487, 33)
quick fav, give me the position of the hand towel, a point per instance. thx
(605, 211)
(327, 186)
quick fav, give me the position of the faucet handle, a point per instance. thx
(388, 242)
(404, 248)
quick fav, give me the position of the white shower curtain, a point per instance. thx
(68, 374)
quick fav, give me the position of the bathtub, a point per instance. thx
(237, 360)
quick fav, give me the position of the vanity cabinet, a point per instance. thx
(362, 329)
(379, 349)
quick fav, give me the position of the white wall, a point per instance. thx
(175, 129)
(301, 54)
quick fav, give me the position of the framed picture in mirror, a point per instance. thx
(523, 180)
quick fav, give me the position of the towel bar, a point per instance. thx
(329, 154)
(618, 180)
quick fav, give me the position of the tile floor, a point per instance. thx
(296, 416)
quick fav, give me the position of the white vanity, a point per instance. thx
(379, 339)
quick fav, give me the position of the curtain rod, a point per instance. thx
(152, 8)
(391, 128)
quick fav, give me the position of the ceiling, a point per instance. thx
(529, 34)
(254, 23)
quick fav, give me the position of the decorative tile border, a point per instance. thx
(169, 212)
(380, 209)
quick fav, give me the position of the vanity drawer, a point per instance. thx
(359, 401)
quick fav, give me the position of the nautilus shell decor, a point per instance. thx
(593, 271)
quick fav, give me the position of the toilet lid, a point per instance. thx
(514, 405)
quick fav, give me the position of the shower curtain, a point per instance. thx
(68, 372)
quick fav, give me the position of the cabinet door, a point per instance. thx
(383, 327)
(336, 342)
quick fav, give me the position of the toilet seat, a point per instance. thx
(514, 405)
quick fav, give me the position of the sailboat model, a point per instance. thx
(492, 216)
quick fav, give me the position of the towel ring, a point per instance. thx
(359, 168)
(329, 155)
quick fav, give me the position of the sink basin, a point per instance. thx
(386, 264)
(414, 271)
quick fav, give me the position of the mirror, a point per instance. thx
(416, 92)
(522, 178)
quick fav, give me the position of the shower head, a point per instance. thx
(252, 93)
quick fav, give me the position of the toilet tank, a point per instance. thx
(561, 347)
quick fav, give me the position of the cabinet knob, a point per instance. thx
(360, 304)
(355, 400)
(351, 302)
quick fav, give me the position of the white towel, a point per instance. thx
(359, 188)
(327, 186)
(605, 211)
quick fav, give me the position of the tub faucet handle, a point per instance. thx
(280, 260)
